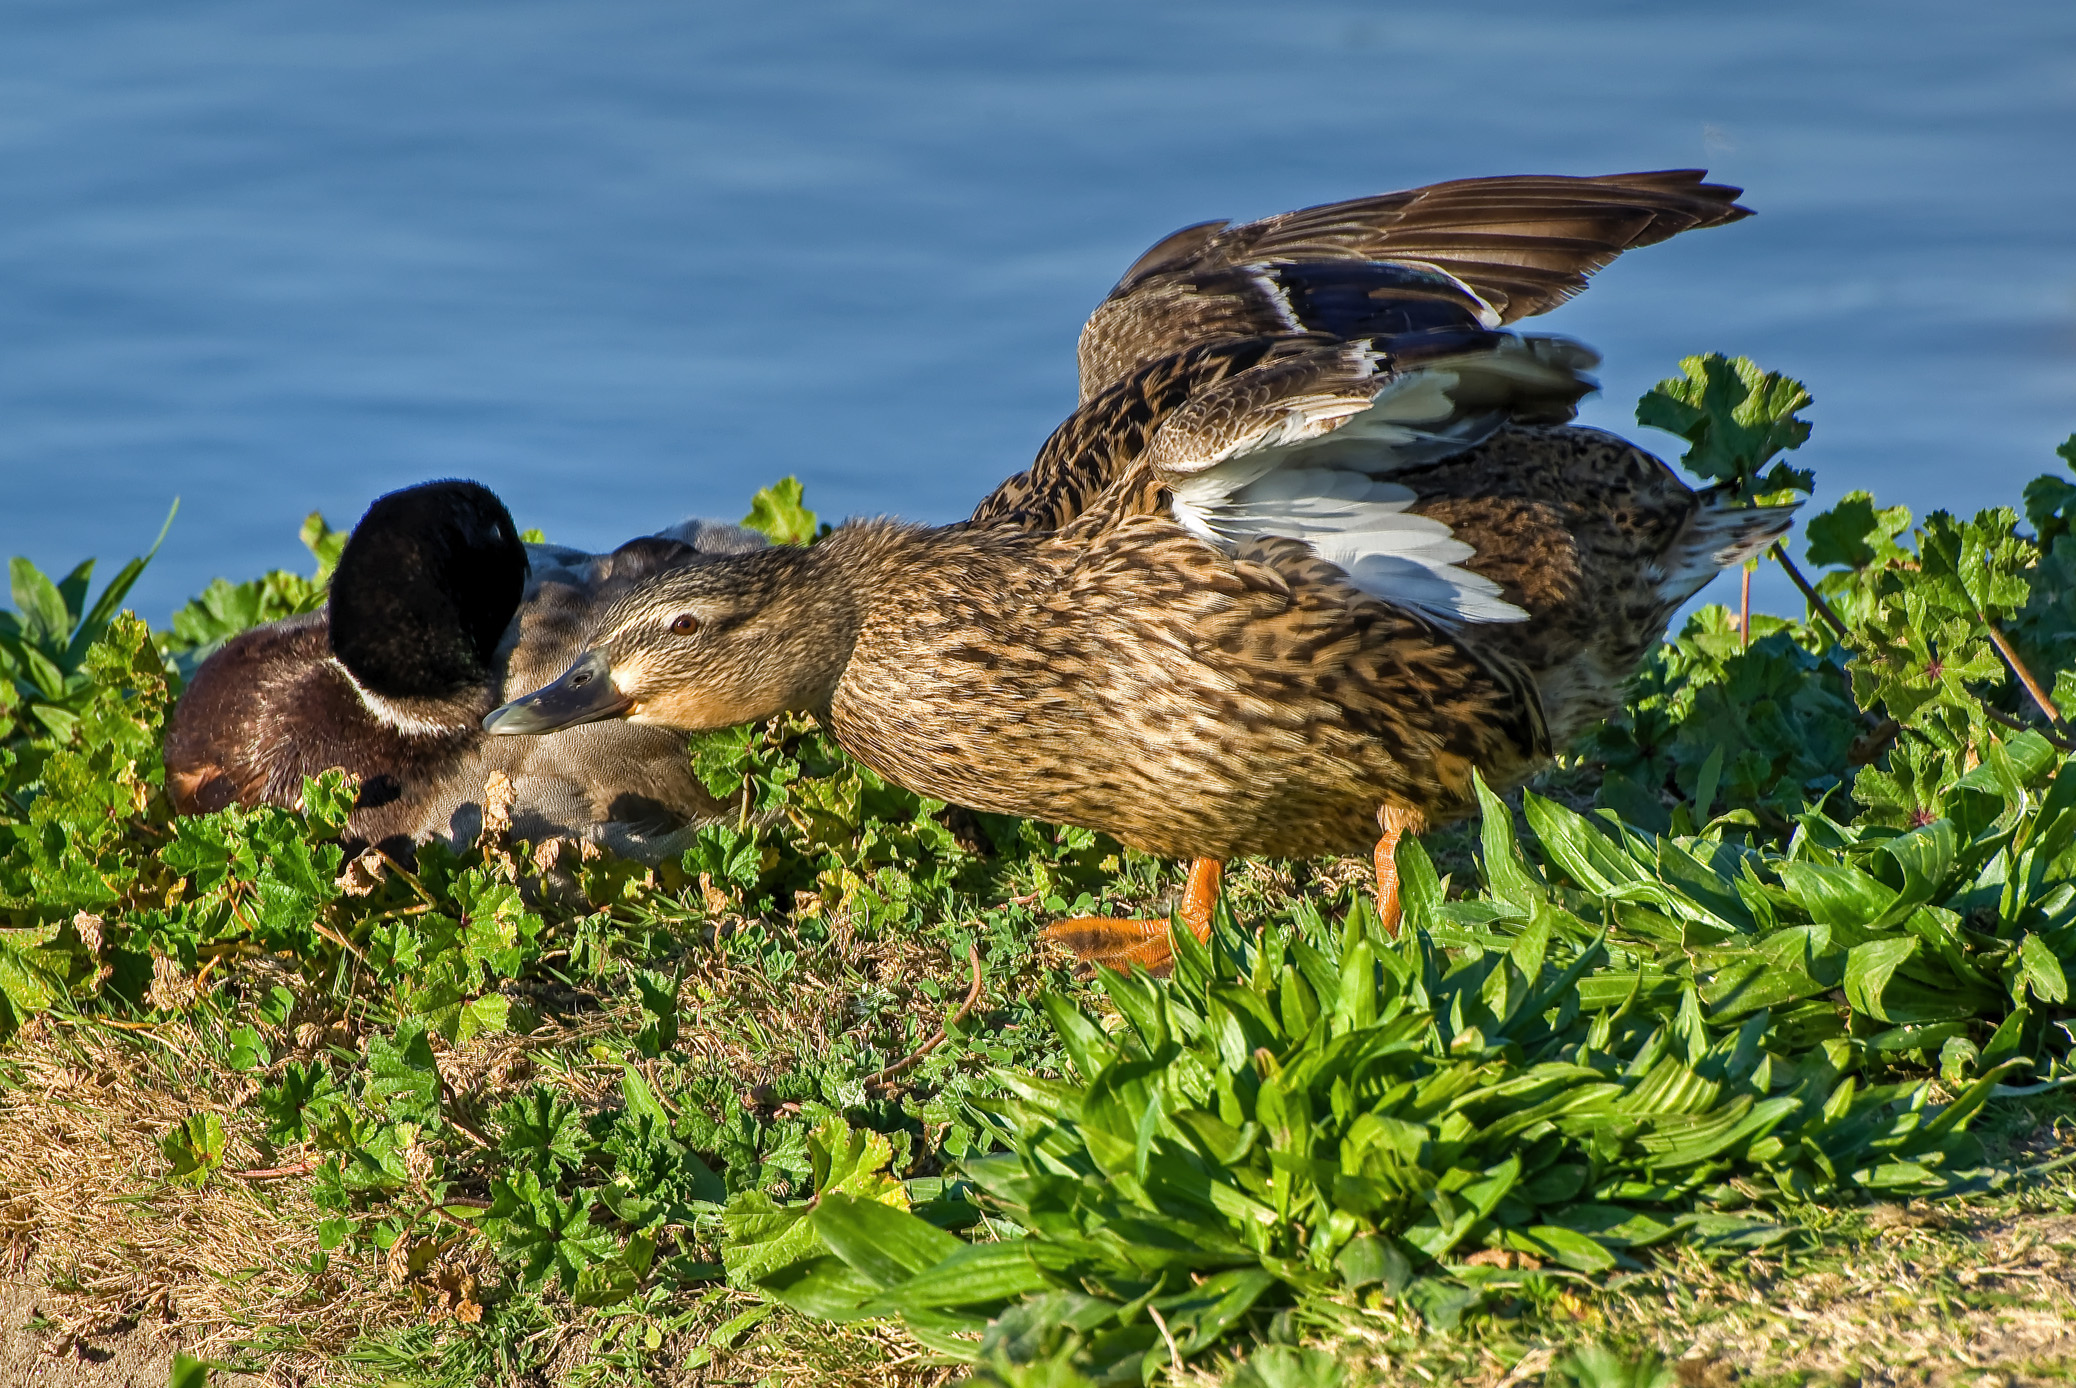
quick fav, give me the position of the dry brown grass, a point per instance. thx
(1931, 1299)
(118, 1267)
(1923, 1296)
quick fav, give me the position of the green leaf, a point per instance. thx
(1834, 895)
(764, 1238)
(824, 1287)
(194, 1148)
(1868, 971)
(1736, 418)
(190, 1372)
(978, 1274)
(887, 1245)
(32, 977)
(1374, 1259)
(486, 1015)
(1506, 871)
(40, 607)
(1854, 533)
(1284, 1366)
(324, 543)
(403, 1076)
(779, 512)
(1571, 1248)
(2043, 970)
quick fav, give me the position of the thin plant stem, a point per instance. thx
(937, 1038)
(1816, 601)
(2019, 725)
(1744, 610)
(2025, 676)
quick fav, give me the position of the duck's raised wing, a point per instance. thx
(1305, 447)
(1475, 252)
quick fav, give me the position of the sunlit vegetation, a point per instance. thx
(1754, 1013)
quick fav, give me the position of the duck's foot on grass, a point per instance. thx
(1121, 944)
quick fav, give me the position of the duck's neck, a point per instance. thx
(815, 628)
(830, 588)
(423, 715)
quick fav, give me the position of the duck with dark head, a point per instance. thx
(435, 611)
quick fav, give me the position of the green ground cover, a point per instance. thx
(1731, 1050)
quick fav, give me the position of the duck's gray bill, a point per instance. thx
(583, 693)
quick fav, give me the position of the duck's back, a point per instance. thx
(272, 708)
(1586, 543)
(1592, 537)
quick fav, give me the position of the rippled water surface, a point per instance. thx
(624, 261)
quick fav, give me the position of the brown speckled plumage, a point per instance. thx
(1122, 637)
(1252, 705)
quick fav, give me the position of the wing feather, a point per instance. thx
(1305, 448)
(1481, 251)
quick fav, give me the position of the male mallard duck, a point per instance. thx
(1265, 592)
(435, 613)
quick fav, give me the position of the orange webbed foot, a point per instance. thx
(1122, 944)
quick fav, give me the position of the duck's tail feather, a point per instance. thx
(1718, 536)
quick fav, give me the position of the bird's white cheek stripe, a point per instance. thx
(388, 712)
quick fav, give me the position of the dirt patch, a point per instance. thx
(50, 1358)
(106, 1267)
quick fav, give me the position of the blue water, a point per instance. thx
(624, 261)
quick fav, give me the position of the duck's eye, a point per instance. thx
(684, 624)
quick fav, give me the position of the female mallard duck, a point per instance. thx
(435, 613)
(1271, 592)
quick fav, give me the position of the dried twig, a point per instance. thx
(276, 1173)
(1744, 609)
(1161, 1325)
(1867, 748)
(937, 1038)
(340, 940)
(445, 1203)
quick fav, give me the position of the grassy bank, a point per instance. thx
(1731, 1051)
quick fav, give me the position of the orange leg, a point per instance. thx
(1387, 882)
(1396, 823)
(1119, 944)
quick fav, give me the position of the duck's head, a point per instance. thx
(709, 644)
(423, 592)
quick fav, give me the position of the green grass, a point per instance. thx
(1731, 1051)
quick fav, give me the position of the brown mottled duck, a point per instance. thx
(1318, 543)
